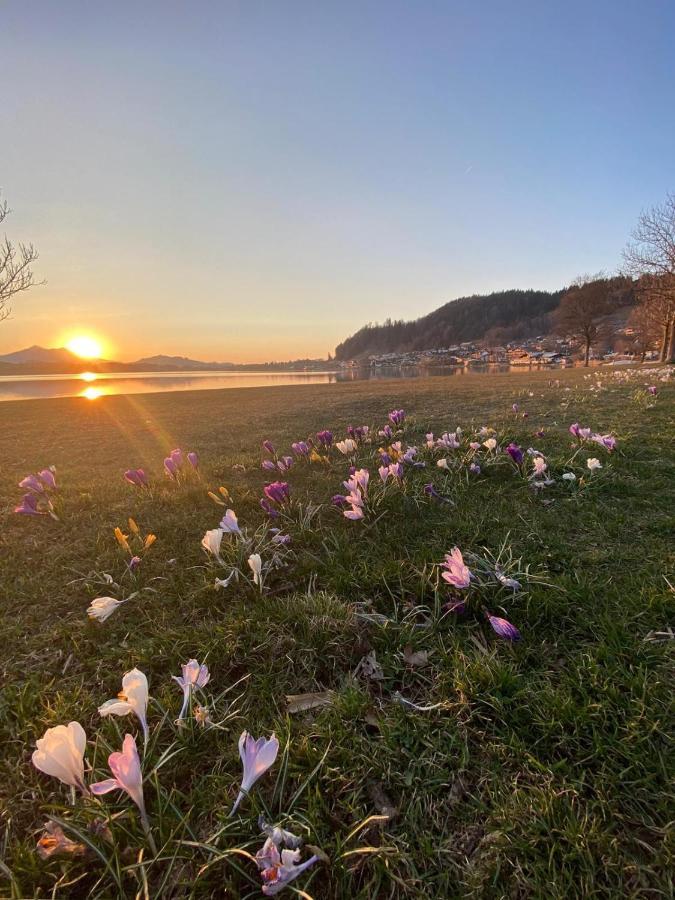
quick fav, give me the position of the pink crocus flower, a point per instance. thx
(354, 513)
(193, 459)
(136, 477)
(127, 777)
(457, 573)
(177, 456)
(194, 676)
(256, 757)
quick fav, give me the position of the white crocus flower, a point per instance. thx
(593, 464)
(60, 753)
(347, 447)
(442, 463)
(539, 466)
(103, 607)
(194, 676)
(255, 564)
(212, 540)
(133, 698)
(225, 582)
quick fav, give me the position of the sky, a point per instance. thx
(249, 181)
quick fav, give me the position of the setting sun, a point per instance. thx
(85, 346)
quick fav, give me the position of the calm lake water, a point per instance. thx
(90, 386)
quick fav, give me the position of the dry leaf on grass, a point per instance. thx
(303, 702)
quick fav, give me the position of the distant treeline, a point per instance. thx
(518, 313)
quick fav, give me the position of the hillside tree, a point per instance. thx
(582, 308)
(16, 261)
(650, 256)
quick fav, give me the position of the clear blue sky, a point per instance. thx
(256, 180)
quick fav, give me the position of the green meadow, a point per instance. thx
(438, 760)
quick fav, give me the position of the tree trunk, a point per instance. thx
(587, 353)
(663, 352)
(670, 356)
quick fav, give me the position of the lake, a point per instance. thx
(91, 386)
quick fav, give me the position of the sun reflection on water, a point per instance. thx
(88, 376)
(92, 393)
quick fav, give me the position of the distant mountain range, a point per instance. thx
(45, 360)
(37, 360)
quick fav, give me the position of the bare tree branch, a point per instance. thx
(651, 257)
(16, 260)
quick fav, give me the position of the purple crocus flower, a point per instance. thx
(267, 507)
(431, 491)
(515, 452)
(32, 483)
(193, 459)
(278, 869)
(269, 446)
(387, 432)
(134, 563)
(177, 456)
(277, 491)
(515, 407)
(338, 500)
(136, 477)
(385, 459)
(269, 465)
(300, 448)
(458, 607)
(29, 506)
(325, 438)
(256, 757)
(284, 464)
(397, 416)
(653, 390)
(503, 628)
(574, 429)
(170, 467)
(605, 440)
(47, 476)
(540, 433)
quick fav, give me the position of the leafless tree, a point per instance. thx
(16, 260)
(582, 308)
(651, 257)
(645, 326)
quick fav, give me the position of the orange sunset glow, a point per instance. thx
(85, 346)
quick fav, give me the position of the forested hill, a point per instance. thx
(521, 313)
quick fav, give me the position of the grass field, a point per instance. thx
(538, 769)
